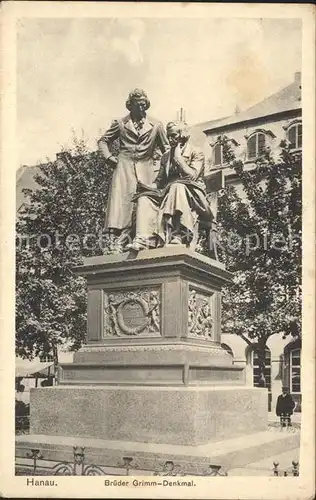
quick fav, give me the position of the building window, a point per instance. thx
(294, 135)
(267, 373)
(295, 370)
(46, 358)
(218, 149)
(267, 369)
(256, 145)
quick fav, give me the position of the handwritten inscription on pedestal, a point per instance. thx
(132, 313)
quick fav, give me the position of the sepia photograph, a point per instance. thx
(158, 253)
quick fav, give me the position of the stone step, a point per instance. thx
(265, 467)
(228, 454)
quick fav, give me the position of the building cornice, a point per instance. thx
(252, 121)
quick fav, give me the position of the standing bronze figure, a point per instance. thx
(139, 137)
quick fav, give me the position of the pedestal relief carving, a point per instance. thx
(200, 315)
(132, 313)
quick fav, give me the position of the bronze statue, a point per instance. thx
(170, 210)
(139, 137)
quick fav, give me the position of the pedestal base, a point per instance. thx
(154, 378)
(169, 415)
(172, 364)
(145, 459)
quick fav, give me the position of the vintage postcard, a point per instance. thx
(157, 250)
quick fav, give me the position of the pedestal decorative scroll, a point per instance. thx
(132, 313)
(200, 315)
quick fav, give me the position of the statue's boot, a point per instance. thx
(141, 243)
(176, 240)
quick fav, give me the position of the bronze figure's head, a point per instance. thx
(137, 103)
(177, 133)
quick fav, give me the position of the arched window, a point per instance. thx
(291, 373)
(256, 371)
(218, 149)
(256, 145)
(294, 135)
(295, 370)
(267, 369)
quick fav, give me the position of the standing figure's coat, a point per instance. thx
(135, 164)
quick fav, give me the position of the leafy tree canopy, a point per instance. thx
(59, 224)
(260, 241)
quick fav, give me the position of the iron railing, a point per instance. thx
(127, 466)
(294, 470)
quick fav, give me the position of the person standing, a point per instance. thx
(285, 407)
(139, 137)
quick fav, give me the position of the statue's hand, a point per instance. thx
(177, 152)
(112, 161)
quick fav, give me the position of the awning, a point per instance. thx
(26, 368)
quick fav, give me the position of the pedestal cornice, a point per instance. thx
(175, 261)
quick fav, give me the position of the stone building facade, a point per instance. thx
(276, 118)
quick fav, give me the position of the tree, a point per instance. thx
(59, 224)
(260, 241)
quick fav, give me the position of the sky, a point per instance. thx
(74, 74)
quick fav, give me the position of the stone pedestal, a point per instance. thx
(153, 369)
(153, 320)
(175, 415)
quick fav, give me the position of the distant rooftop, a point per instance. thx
(25, 180)
(286, 99)
(25, 177)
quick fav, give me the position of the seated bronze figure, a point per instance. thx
(171, 210)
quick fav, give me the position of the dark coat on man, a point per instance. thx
(285, 405)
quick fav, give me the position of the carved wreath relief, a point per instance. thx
(200, 315)
(132, 312)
